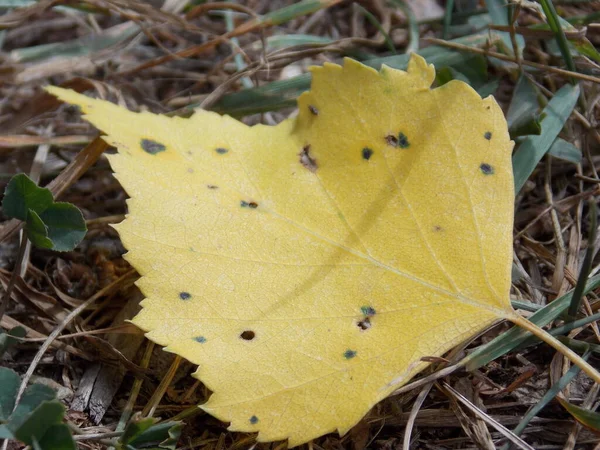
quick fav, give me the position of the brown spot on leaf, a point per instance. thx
(306, 160)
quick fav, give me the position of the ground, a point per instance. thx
(247, 59)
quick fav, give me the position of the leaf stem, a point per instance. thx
(13, 278)
(558, 346)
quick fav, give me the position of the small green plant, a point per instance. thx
(141, 433)
(52, 225)
(37, 419)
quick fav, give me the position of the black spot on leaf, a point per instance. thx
(403, 141)
(247, 335)
(313, 110)
(200, 339)
(437, 228)
(212, 186)
(253, 420)
(364, 324)
(306, 160)
(185, 295)
(368, 311)
(349, 354)
(486, 169)
(245, 204)
(367, 153)
(488, 135)
(221, 150)
(152, 147)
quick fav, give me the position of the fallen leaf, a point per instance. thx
(308, 267)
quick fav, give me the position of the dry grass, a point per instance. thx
(73, 305)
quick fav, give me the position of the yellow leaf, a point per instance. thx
(308, 267)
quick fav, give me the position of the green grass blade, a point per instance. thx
(373, 21)
(299, 9)
(413, 25)
(498, 10)
(448, 19)
(586, 267)
(524, 104)
(516, 336)
(561, 39)
(77, 47)
(533, 148)
(547, 398)
(565, 150)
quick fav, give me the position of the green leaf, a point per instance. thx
(57, 437)
(5, 432)
(585, 417)
(565, 150)
(21, 195)
(66, 226)
(523, 110)
(533, 148)
(135, 428)
(34, 396)
(39, 421)
(9, 386)
(165, 435)
(36, 230)
(7, 340)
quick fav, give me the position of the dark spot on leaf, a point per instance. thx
(313, 110)
(367, 153)
(364, 324)
(221, 150)
(486, 169)
(253, 420)
(488, 135)
(200, 339)
(306, 160)
(403, 141)
(248, 335)
(245, 204)
(152, 147)
(212, 186)
(392, 140)
(349, 354)
(368, 310)
(185, 295)
(437, 228)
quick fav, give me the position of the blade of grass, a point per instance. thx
(533, 148)
(498, 10)
(554, 22)
(413, 25)
(565, 150)
(77, 47)
(240, 65)
(547, 398)
(448, 19)
(515, 336)
(523, 106)
(373, 21)
(586, 267)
